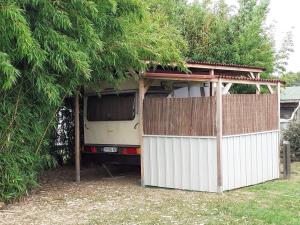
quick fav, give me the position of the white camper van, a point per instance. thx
(111, 118)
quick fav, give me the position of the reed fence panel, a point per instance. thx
(180, 116)
(196, 116)
(249, 113)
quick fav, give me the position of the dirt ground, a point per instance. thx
(97, 200)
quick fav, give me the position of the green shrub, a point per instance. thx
(25, 127)
(19, 172)
(292, 134)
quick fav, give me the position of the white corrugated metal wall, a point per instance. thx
(188, 163)
(249, 159)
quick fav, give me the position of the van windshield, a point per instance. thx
(111, 107)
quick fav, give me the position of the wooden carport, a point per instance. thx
(220, 77)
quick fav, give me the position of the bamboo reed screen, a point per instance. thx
(249, 113)
(180, 116)
(196, 116)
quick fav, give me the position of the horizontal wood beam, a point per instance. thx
(228, 68)
(199, 78)
(251, 82)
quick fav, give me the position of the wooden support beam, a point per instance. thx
(270, 89)
(286, 160)
(141, 123)
(212, 84)
(228, 68)
(203, 78)
(219, 129)
(257, 85)
(77, 138)
(250, 82)
(226, 88)
(278, 118)
(147, 84)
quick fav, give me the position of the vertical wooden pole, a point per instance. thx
(278, 117)
(212, 84)
(219, 129)
(77, 139)
(258, 86)
(141, 122)
(286, 160)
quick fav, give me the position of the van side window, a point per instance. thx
(111, 107)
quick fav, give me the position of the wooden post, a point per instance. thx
(286, 160)
(77, 139)
(141, 122)
(258, 86)
(212, 86)
(219, 129)
(278, 117)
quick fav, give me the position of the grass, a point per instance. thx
(276, 202)
(123, 201)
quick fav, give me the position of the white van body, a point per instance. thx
(124, 132)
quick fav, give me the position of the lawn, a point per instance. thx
(122, 201)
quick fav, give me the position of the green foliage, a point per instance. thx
(48, 49)
(292, 134)
(217, 32)
(239, 38)
(20, 170)
(291, 79)
(284, 54)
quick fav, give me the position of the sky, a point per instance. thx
(284, 15)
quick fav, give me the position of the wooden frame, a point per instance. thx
(219, 127)
(278, 96)
(216, 89)
(77, 138)
(224, 67)
(141, 123)
(206, 78)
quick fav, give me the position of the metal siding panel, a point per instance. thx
(231, 167)
(212, 164)
(224, 164)
(185, 161)
(242, 150)
(259, 158)
(270, 156)
(169, 162)
(147, 167)
(276, 154)
(195, 164)
(251, 159)
(248, 159)
(272, 152)
(264, 153)
(153, 161)
(203, 164)
(254, 159)
(161, 160)
(182, 163)
(237, 162)
(177, 163)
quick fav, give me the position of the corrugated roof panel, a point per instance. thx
(224, 64)
(290, 93)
